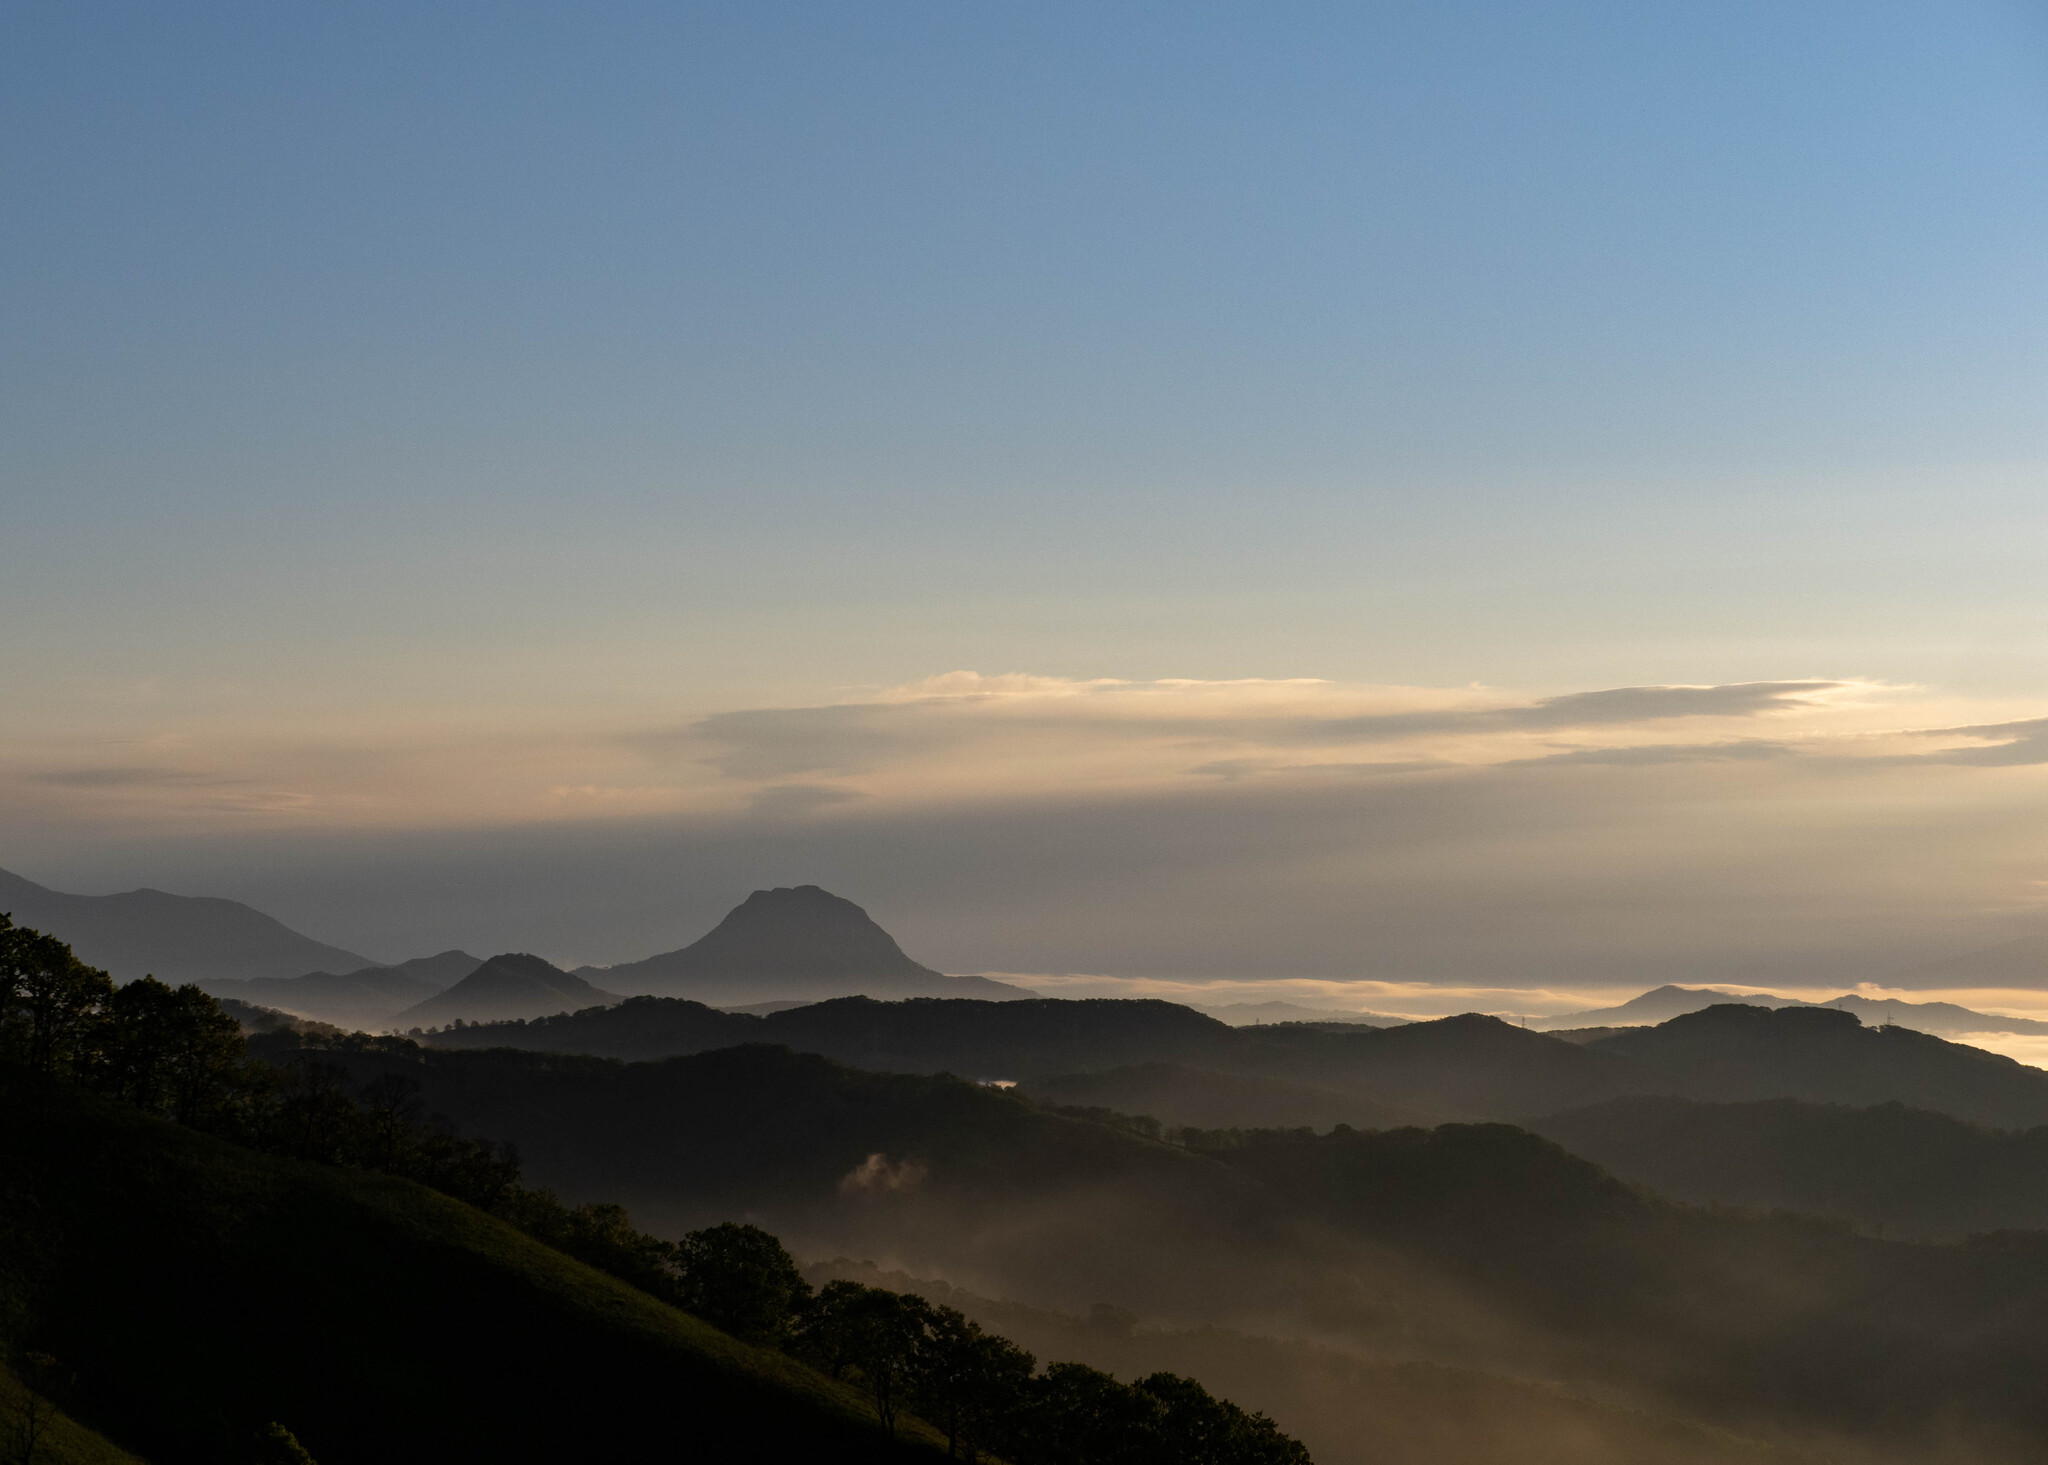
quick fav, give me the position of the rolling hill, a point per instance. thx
(1824, 1055)
(177, 938)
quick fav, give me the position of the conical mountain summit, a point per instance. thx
(792, 942)
(507, 987)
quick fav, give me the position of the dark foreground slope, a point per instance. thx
(1892, 1169)
(198, 1291)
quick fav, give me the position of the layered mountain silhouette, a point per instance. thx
(1243, 1014)
(176, 938)
(506, 988)
(1661, 1004)
(362, 999)
(1466, 1068)
(792, 942)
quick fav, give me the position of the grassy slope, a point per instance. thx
(198, 1290)
(67, 1443)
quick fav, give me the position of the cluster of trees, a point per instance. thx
(173, 1052)
(981, 1389)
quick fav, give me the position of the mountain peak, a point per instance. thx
(793, 942)
(795, 931)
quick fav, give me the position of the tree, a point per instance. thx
(41, 1380)
(13, 963)
(276, 1445)
(60, 1000)
(875, 1333)
(739, 1278)
(970, 1383)
(1083, 1416)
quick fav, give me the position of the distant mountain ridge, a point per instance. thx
(792, 942)
(509, 987)
(1661, 1004)
(176, 938)
(361, 999)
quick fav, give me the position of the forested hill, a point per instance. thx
(1733, 1052)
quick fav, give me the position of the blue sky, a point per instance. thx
(429, 375)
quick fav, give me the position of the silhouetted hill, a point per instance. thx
(1943, 1019)
(1178, 1095)
(1659, 1004)
(1465, 1067)
(381, 1322)
(177, 938)
(360, 999)
(1241, 1014)
(1733, 1052)
(1907, 1172)
(787, 943)
(1030, 1037)
(514, 985)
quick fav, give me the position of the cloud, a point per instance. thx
(1999, 744)
(125, 778)
(1616, 706)
(784, 800)
(877, 1176)
(1748, 749)
(1249, 830)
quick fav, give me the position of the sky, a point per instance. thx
(1496, 496)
